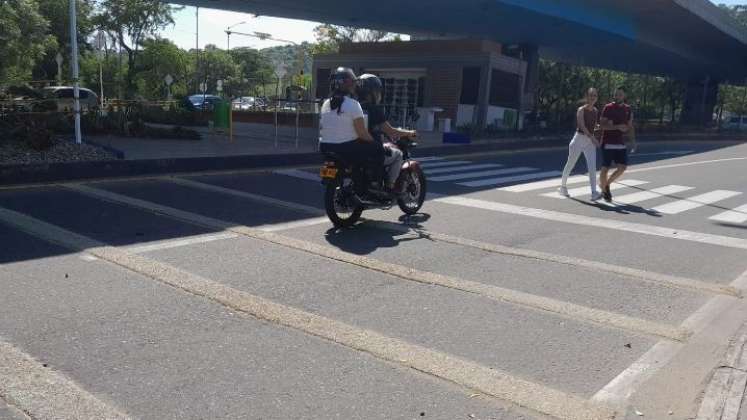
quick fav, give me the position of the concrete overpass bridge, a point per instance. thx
(692, 40)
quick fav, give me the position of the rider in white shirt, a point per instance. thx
(343, 126)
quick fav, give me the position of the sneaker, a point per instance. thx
(607, 194)
(563, 191)
(596, 196)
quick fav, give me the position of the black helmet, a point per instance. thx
(369, 88)
(342, 79)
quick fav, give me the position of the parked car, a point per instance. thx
(202, 102)
(736, 123)
(244, 103)
(63, 97)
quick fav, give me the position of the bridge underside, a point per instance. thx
(683, 39)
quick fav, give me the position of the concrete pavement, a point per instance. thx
(166, 299)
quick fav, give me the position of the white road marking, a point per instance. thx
(297, 173)
(428, 158)
(625, 384)
(506, 180)
(88, 257)
(582, 191)
(652, 194)
(495, 293)
(467, 374)
(664, 279)
(42, 393)
(436, 171)
(549, 183)
(178, 243)
(682, 165)
(736, 216)
(667, 153)
(684, 205)
(247, 195)
(481, 174)
(295, 224)
(441, 164)
(683, 235)
(645, 275)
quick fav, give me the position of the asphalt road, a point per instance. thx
(229, 296)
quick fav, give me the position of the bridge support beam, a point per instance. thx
(700, 101)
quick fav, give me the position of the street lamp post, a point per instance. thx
(74, 65)
(228, 34)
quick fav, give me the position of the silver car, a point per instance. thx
(63, 96)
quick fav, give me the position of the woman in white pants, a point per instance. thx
(584, 142)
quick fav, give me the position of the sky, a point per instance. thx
(213, 24)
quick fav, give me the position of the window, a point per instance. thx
(470, 86)
(322, 82)
(65, 93)
(504, 89)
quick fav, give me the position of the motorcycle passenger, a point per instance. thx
(343, 128)
(369, 91)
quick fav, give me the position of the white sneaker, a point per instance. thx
(596, 196)
(563, 191)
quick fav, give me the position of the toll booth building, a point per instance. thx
(457, 82)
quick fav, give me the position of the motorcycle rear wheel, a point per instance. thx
(338, 208)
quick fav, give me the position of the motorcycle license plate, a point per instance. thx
(328, 173)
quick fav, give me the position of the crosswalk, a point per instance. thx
(677, 199)
(668, 199)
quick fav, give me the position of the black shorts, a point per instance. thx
(618, 156)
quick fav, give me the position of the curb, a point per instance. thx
(75, 171)
(727, 389)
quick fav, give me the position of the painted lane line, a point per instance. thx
(652, 194)
(683, 165)
(467, 374)
(442, 164)
(437, 171)
(44, 394)
(702, 200)
(665, 153)
(297, 173)
(554, 183)
(278, 227)
(507, 180)
(649, 276)
(242, 194)
(498, 294)
(736, 216)
(617, 391)
(541, 185)
(178, 243)
(652, 230)
(481, 174)
(429, 158)
(582, 191)
(663, 279)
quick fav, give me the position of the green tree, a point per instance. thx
(159, 58)
(57, 13)
(255, 71)
(330, 37)
(216, 64)
(23, 39)
(131, 23)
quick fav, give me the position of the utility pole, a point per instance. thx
(197, 47)
(74, 65)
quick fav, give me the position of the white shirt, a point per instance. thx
(338, 128)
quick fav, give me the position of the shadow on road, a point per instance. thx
(361, 241)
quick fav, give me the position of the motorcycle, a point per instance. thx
(344, 207)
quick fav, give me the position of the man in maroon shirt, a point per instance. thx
(616, 122)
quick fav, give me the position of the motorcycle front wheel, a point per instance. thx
(339, 207)
(413, 192)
